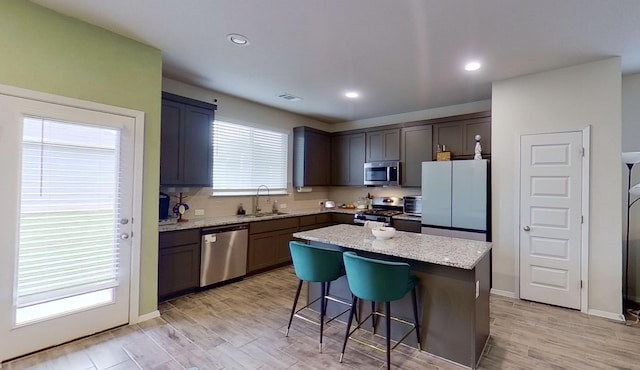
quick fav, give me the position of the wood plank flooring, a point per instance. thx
(242, 326)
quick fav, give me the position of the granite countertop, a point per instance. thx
(229, 220)
(447, 251)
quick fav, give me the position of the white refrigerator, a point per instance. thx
(455, 199)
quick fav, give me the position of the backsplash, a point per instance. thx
(213, 206)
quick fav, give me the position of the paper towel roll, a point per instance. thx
(304, 189)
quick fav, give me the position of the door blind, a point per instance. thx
(68, 210)
(246, 157)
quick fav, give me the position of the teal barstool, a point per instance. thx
(379, 281)
(317, 265)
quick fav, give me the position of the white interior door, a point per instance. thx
(550, 218)
(65, 239)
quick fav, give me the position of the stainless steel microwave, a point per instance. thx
(382, 173)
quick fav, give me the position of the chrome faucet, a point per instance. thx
(257, 208)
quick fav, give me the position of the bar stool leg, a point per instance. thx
(323, 309)
(387, 317)
(293, 309)
(346, 334)
(415, 316)
(373, 317)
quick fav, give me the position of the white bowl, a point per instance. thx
(383, 232)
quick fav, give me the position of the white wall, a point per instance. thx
(563, 99)
(631, 143)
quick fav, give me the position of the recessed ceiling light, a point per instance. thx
(472, 66)
(351, 94)
(238, 39)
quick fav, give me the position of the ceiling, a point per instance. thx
(402, 56)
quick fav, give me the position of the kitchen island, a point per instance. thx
(453, 291)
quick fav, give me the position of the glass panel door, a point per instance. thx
(70, 185)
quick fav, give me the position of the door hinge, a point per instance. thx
(582, 151)
(580, 284)
(582, 219)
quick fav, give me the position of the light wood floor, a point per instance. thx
(241, 326)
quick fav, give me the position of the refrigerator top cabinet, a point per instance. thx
(455, 194)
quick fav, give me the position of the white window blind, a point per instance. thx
(246, 157)
(69, 207)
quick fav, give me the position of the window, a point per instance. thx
(68, 254)
(245, 157)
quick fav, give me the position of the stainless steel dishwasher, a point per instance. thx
(223, 253)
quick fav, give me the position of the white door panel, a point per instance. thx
(43, 317)
(550, 218)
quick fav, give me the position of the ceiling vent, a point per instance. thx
(289, 97)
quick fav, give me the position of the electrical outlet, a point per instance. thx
(283, 205)
(199, 212)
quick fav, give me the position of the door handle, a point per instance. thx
(124, 236)
(526, 228)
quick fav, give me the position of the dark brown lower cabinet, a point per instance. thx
(407, 225)
(269, 243)
(341, 218)
(178, 263)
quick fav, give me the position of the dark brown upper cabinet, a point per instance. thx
(416, 148)
(458, 135)
(383, 145)
(347, 159)
(311, 157)
(186, 141)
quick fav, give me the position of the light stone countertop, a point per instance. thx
(447, 251)
(229, 220)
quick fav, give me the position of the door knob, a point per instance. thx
(124, 236)
(526, 228)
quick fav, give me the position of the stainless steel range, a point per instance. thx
(382, 209)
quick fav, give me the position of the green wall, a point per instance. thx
(46, 51)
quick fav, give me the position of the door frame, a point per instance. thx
(136, 220)
(584, 250)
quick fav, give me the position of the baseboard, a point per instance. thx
(503, 293)
(147, 316)
(607, 315)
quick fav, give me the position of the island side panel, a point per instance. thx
(483, 275)
(447, 306)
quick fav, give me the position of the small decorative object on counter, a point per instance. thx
(241, 210)
(478, 150)
(443, 155)
(180, 208)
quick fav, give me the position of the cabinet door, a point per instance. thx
(480, 127)
(197, 152)
(357, 152)
(449, 135)
(407, 225)
(178, 269)
(262, 251)
(283, 255)
(340, 161)
(311, 157)
(171, 122)
(416, 148)
(342, 218)
(383, 145)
